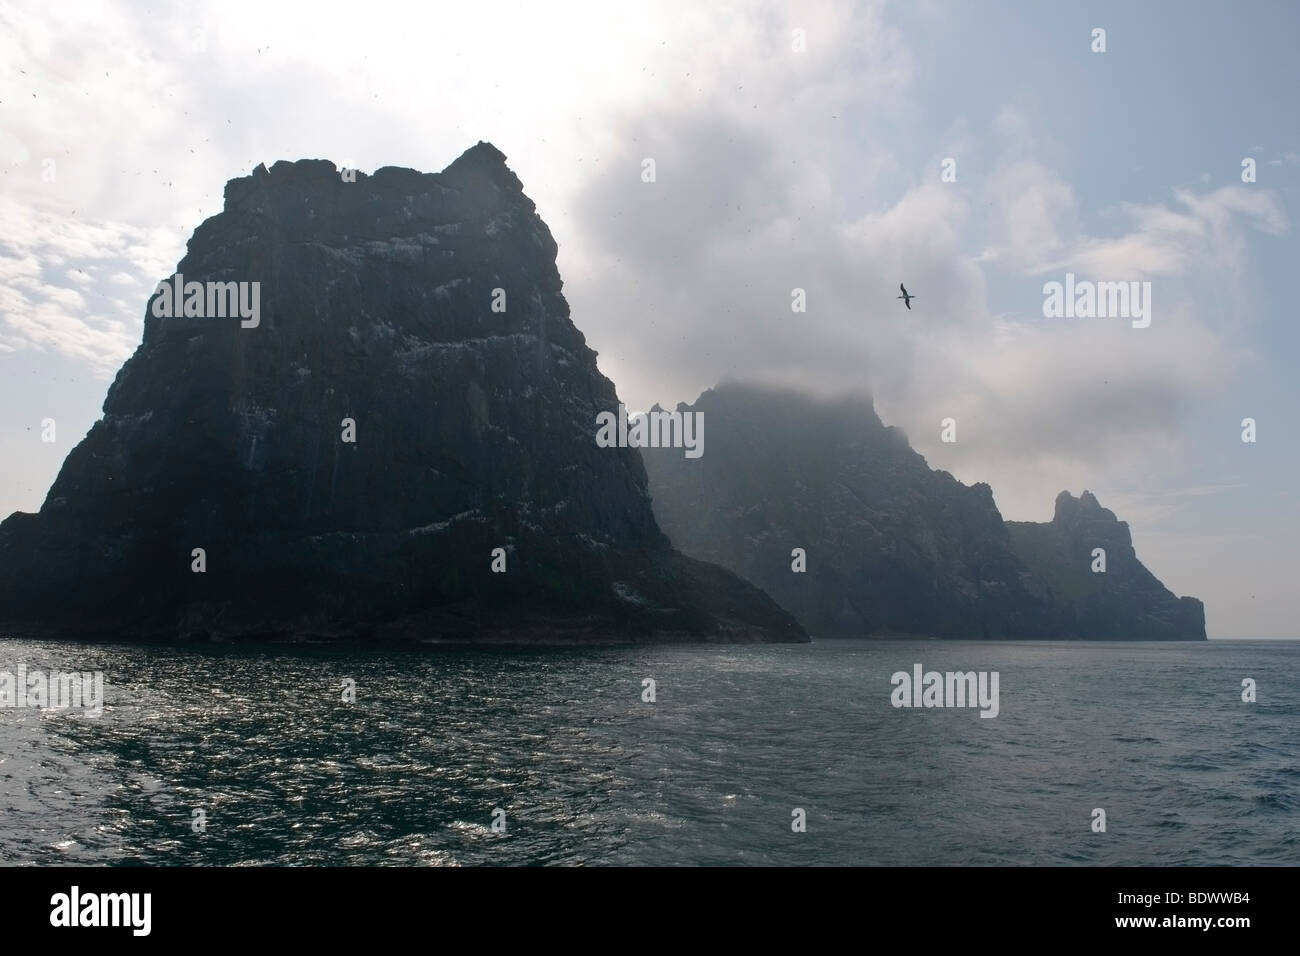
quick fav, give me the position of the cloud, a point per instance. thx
(687, 281)
(66, 310)
(1032, 215)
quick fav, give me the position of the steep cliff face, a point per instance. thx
(1125, 601)
(892, 547)
(411, 397)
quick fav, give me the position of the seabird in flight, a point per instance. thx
(906, 297)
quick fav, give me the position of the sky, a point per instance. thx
(795, 146)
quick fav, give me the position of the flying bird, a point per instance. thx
(906, 297)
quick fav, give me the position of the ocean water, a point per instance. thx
(739, 737)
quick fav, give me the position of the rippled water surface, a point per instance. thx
(287, 773)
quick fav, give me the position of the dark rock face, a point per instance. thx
(893, 548)
(474, 430)
(1127, 601)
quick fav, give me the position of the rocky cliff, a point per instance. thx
(411, 397)
(1124, 601)
(892, 547)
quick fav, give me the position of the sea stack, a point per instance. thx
(889, 547)
(1125, 600)
(383, 430)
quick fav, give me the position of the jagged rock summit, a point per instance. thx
(1125, 600)
(891, 547)
(410, 397)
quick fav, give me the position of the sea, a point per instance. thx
(655, 755)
